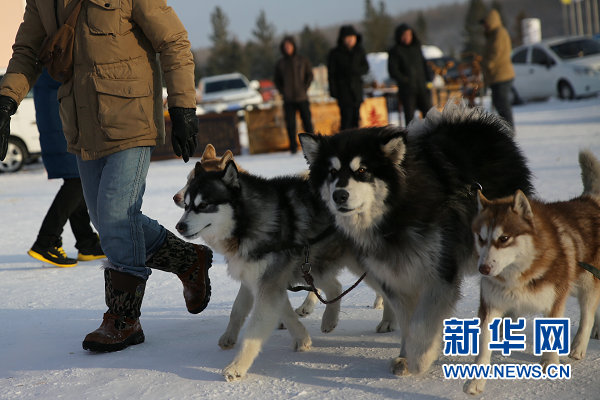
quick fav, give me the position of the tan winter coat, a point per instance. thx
(114, 100)
(497, 66)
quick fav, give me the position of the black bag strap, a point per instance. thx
(56, 13)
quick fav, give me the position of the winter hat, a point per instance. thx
(347, 30)
(290, 39)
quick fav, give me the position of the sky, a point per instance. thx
(288, 16)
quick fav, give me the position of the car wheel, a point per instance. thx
(16, 156)
(565, 90)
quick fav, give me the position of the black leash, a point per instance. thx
(588, 267)
(306, 268)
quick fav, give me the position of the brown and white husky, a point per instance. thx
(528, 255)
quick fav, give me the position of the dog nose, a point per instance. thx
(181, 227)
(485, 269)
(177, 198)
(340, 196)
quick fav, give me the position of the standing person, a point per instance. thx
(111, 110)
(346, 64)
(68, 203)
(293, 75)
(498, 71)
(407, 66)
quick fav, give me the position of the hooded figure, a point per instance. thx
(293, 76)
(407, 66)
(498, 71)
(347, 63)
(496, 63)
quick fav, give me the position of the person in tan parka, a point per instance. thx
(498, 71)
(111, 111)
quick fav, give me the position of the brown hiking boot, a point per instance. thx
(196, 283)
(120, 325)
(190, 262)
(114, 334)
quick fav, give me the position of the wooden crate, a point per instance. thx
(267, 132)
(220, 130)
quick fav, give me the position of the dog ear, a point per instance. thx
(199, 169)
(482, 201)
(310, 146)
(209, 153)
(393, 145)
(231, 175)
(228, 156)
(522, 207)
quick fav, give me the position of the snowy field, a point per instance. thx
(46, 311)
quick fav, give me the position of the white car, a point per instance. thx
(24, 140)
(228, 92)
(563, 67)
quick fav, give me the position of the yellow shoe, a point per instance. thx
(53, 255)
(89, 257)
(93, 253)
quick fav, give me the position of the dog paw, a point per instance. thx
(227, 342)
(328, 326)
(304, 310)
(400, 366)
(303, 344)
(384, 326)
(329, 321)
(378, 304)
(577, 354)
(474, 386)
(231, 373)
(550, 359)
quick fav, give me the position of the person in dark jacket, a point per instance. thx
(406, 65)
(68, 203)
(347, 63)
(293, 75)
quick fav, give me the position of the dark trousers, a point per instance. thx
(68, 204)
(411, 102)
(501, 100)
(290, 108)
(350, 115)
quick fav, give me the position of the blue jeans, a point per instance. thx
(113, 187)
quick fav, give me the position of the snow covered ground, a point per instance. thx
(46, 311)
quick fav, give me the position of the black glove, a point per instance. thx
(184, 131)
(7, 108)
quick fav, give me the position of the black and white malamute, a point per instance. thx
(262, 226)
(406, 200)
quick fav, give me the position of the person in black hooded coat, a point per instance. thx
(346, 64)
(406, 65)
(293, 76)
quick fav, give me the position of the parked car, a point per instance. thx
(228, 92)
(563, 67)
(24, 141)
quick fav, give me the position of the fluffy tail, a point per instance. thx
(590, 173)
